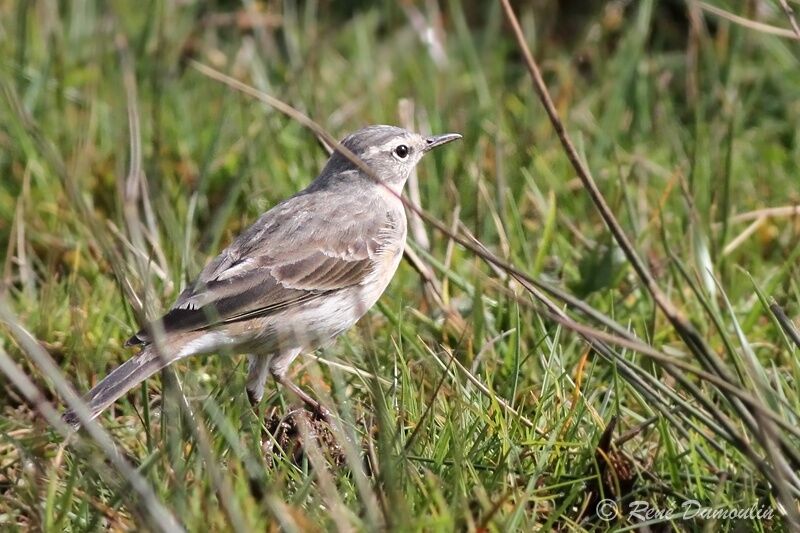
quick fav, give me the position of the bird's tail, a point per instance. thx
(119, 381)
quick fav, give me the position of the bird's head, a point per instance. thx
(390, 152)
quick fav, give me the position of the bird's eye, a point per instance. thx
(401, 151)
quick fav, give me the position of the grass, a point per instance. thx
(481, 399)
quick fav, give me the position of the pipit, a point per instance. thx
(302, 274)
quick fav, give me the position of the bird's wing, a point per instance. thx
(303, 248)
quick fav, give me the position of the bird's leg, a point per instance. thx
(257, 372)
(279, 367)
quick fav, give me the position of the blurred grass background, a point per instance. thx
(472, 410)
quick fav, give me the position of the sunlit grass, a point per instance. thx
(471, 408)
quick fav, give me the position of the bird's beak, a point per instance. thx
(438, 140)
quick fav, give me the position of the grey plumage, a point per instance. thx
(304, 272)
(301, 249)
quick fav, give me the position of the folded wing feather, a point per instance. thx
(303, 248)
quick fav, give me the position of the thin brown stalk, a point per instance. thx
(685, 330)
(746, 22)
(585, 175)
(501, 265)
(790, 15)
(767, 212)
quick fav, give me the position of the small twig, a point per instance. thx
(348, 369)
(432, 284)
(744, 235)
(688, 333)
(790, 15)
(767, 212)
(747, 23)
(585, 175)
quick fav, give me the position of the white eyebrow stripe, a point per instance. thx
(372, 150)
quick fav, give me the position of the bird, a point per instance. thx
(303, 273)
